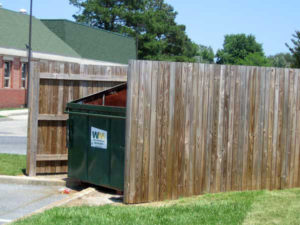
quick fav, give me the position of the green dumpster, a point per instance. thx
(96, 138)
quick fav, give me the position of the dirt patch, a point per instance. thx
(97, 198)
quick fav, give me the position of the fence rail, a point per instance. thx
(53, 85)
(196, 128)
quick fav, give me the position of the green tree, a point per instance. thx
(152, 22)
(254, 59)
(241, 49)
(296, 49)
(283, 60)
(205, 54)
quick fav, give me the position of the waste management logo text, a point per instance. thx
(98, 138)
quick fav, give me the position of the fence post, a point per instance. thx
(33, 110)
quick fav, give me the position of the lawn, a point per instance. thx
(257, 207)
(9, 109)
(11, 164)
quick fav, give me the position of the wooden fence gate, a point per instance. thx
(52, 85)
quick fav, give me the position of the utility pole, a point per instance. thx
(29, 54)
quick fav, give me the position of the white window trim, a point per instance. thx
(7, 78)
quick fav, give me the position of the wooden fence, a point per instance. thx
(195, 128)
(52, 85)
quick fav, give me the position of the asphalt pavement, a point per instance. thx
(19, 200)
(13, 132)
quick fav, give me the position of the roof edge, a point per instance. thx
(12, 11)
(95, 28)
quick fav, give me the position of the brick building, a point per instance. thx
(86, 46)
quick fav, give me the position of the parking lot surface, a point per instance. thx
(13, 134)
(19, 200)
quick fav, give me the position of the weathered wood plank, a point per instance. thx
(270, 136)
(159, 132)
(204, 128)
(296, 182)
(280, 127)
(241, 126)
(140, 134)
(33, 103)
(52, 157)
(128, 151)
(147, 126)
(230, 127)
(257, 122)
(246, 122)
(293, 126)
(215, 111)
(164, 132)
(187, 138)
(171, 122)
(284, 138)
(84, 77)
(275, 131)
(53, 117)
(220, 145)
(225, 130)
(177, 120)
(235, 150)
(251, 125)
(152, 156)
(199, 153)
(213, 128)
(262, 74)
(208, 147)
(265, 130)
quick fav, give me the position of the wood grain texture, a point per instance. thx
(32, 136)
(54, 84)
(198, 128)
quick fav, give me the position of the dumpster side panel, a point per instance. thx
(99, 154)
(78, 129)
(117, 153)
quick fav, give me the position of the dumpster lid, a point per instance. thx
(115, 96)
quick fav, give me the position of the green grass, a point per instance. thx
(257, 207)
(276, 207)
(8, 109)
(12, 164)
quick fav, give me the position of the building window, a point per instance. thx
(24, 74)
(7, 74)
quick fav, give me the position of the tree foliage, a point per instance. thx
(295, 50)
(282, 60)
(241, 49)
(254, 59)
(205, 54)
(152, 22)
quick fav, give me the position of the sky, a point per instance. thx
(273, 22)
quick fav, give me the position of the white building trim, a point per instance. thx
(37, 55)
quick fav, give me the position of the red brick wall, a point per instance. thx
(12, 98)
(15, 96)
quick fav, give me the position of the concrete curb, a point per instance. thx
(17, 112)
(31, 181)
(59, 203)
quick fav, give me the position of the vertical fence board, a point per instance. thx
(152, 157)
(296, 181)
